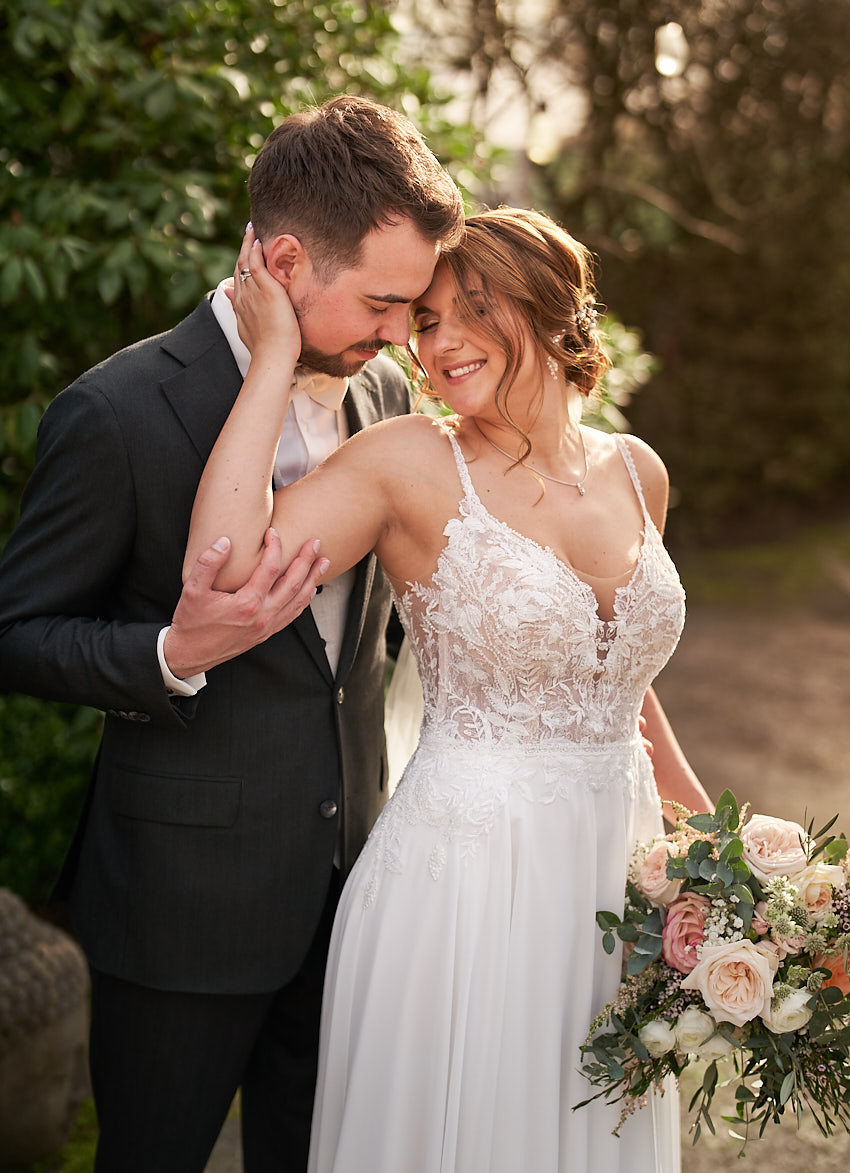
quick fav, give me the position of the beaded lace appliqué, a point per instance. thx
(527, 691)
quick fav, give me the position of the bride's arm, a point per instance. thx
(235, 498)
(674, 777)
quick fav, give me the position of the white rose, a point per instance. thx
(735, 980)
(714, 1048)
(652, 879)
(792, 1013)
(693, 1027)
(658, 1037)
(815, 884)
(774, 847)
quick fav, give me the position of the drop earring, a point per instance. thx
(551, 361)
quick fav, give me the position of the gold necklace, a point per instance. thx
(579, 484)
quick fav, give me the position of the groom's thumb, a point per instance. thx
(209, 563)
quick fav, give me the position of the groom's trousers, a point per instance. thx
(166, 1066)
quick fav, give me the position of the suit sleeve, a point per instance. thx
(62, 636)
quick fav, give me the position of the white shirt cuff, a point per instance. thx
(187, 687)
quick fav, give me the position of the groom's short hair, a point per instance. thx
(330, 174)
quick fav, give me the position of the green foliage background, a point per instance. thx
(717, 200)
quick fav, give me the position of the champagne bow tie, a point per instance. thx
(326, 390)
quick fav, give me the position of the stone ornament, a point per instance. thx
(43, 1033)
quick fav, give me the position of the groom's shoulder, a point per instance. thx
(151, 360)
(385, 381)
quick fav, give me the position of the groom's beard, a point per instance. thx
(337, 364)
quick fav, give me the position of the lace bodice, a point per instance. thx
(511, 649)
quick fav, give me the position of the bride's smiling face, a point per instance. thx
(465, 367)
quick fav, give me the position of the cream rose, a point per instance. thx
(714, 1048)
(693, 1027)
(792, 1013)
(735, 980)
(652, 879)
(658, 1037)
(773, 847)
(815, 884)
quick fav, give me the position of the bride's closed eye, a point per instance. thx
(423, 325)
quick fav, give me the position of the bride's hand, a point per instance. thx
(264, 313)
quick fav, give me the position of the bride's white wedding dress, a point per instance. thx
(465, 965)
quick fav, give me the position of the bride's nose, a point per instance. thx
(449, 336)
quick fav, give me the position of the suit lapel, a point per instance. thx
(202, 393)
(201, 396)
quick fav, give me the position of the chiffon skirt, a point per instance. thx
(466, 967)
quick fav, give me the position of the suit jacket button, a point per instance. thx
(328, 809)
(340, 696)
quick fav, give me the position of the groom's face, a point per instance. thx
(348, 319)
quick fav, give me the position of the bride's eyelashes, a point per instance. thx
(423, 325)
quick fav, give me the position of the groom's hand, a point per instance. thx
(211, 626)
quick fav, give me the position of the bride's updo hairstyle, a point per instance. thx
(535, 277)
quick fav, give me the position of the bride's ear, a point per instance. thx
(286, 259)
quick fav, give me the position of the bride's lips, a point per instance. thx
(460, 371)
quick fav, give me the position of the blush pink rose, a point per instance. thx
(785, 946)
(759, 924)
(652, 879)
(773, 847)
(735, 980)
(684, 929)
(839, 971)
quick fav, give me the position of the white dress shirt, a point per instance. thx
(315, 425)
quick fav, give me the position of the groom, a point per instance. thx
(230, 777)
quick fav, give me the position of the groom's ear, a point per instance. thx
(286, 259)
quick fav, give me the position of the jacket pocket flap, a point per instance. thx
(174, 798)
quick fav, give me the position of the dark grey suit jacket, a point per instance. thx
(203, 855)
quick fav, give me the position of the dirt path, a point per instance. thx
(761, 704)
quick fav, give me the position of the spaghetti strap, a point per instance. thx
(462, 470)
(628, 460)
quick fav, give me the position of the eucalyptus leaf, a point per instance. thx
(726, 809)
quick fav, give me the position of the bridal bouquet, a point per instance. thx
(737, 937)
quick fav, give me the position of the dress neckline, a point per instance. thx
(565, 568)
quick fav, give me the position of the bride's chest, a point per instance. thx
(504, 600)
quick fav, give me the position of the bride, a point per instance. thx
(525, 554)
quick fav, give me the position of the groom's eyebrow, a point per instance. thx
(390, 298)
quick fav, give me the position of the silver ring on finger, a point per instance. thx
(244, 274)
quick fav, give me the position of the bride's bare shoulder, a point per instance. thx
(653, 477)
(411, 438)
